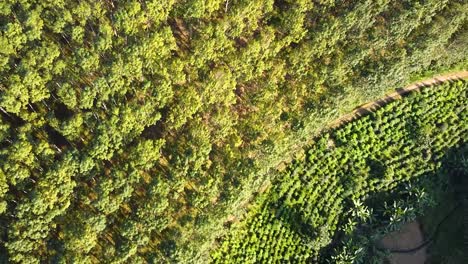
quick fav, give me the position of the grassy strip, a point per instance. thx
(323, 194)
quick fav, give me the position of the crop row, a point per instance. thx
(309, 204)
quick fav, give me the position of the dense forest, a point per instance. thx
(135, 131)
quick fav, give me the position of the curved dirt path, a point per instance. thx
(409, 236)
(371, 106)
(398, 94)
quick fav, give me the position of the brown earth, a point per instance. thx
(371, 106)
(366, 108)
(409, 236)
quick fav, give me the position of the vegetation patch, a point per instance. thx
(325, 205)
(130, 131)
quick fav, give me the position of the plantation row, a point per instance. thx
(317, 197)
(131, 130)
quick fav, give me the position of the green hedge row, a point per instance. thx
(320, 196)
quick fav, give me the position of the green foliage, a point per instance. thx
(337, 190)
(131, 131)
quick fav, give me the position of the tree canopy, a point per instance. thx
(131, 130)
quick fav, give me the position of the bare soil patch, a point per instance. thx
(409, 236)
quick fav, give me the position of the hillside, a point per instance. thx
(136, 131)
(355, 183)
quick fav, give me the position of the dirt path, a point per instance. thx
(409, 236)
(369, 107)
